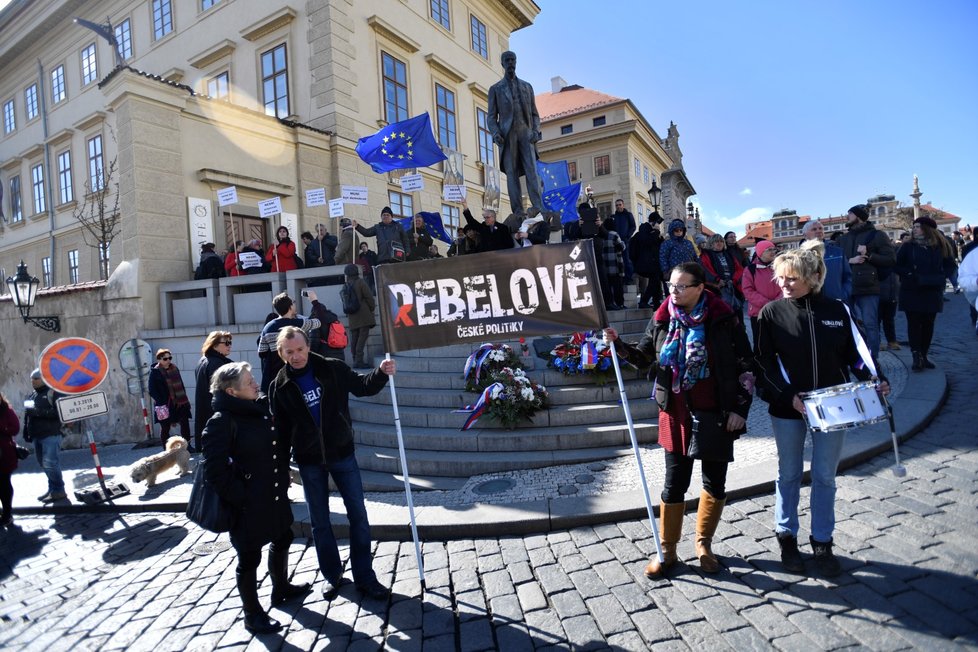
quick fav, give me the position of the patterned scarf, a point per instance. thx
(685, 347)
(174, 384)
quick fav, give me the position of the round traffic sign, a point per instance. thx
(73, 365)
(136, 357)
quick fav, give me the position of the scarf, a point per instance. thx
(684, 349)
(174, 385)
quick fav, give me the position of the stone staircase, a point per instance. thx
(585, 421)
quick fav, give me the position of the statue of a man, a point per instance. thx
(515, 126)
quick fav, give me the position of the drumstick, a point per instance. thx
(898, 469)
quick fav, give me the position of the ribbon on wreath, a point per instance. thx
(479, 408)
(475, 360)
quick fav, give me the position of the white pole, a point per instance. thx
(638, 455)
(407, 482)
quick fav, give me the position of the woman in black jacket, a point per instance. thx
(214, 354)
(167, 390)
(247, 462)
(698, 353)
(923, 264)
(805, 342)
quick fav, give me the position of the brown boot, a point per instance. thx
(707, 519)
(671, 526)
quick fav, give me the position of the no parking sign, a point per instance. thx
(73, 365)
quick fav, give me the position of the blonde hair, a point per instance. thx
(806, 262)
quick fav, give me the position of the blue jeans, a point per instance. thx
(315, 485)
(866, 308)
(789, 435)
(47, 450)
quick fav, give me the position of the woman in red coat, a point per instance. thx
(9, 427)
(282, 255)
(723, 271)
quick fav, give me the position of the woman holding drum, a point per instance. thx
(805, 342)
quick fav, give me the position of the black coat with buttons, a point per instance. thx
(248, 464)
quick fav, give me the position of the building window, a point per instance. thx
(402, 205)
(123, 36)
(64, 177)
(207, 4)
(162, 19)
(439, 12)
(645, 174)
(58, 84)
(37, 186)
(641, 211)
(487, 154)
(30, 101)
(395, 89)
(16, 207)
(9, 119)
(89, 65)
(95, 179)
(46, 271)
(638, 169)
(480, 42)
(572, 170)
(275, 82)
(445, 106)
(566, 129)
(450, 218)
(602, 165)
(73, 266)
(218, 86)
(597, 122)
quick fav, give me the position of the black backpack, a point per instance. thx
(351, 302)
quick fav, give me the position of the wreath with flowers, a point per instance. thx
(509, 398)
(487, 360)
(584, 353)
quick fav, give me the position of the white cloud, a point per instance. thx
(737, 223)
(746, 191)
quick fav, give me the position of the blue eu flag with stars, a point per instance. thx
(406, 144)
(553, 175)
(563, 200)
(433, 225)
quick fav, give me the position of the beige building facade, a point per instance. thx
(268, 96)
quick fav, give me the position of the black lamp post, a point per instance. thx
(23, 291)
(655, 194)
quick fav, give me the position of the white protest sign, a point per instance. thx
(336, 208)
(269, 207)
(454, 193)
(316, 197)
(354, 194)
(412, 182)
(291, 222)
(227, 196)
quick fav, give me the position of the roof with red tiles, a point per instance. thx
(570, 100)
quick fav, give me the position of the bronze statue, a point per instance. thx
(515, 126)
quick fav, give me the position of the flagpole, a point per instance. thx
(407, 482)
(638, 455)
(278, 268)
(234, 244)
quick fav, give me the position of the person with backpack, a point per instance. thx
(211, 264)
(358, 306)
(330, 339)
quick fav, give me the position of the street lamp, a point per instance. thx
(23, 292)
(655, 193)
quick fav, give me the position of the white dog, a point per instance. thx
(176, 454)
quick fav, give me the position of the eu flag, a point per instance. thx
(553, 175)
(563, 200)
(433, 225)
(406, 144)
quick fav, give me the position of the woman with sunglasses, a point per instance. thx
(167, 390)
(214, 355)
(698, 355)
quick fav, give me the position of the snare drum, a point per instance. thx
(843, 406)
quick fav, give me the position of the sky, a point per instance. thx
(811, 106)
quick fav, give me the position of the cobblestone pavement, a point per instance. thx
(154, 582)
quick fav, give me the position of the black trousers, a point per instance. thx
(653, 290)
(679, 471)
(920, 330)
(887, 318)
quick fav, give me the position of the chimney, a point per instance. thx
(557, 84)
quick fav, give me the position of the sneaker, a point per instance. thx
(53, 496)
(374, 590)
(790, 557)
(331, 588)
(825, 562)
(45, 497)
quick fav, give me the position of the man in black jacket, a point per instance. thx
(42, 425)
(493, 236)
(870, 255)
(310, 401)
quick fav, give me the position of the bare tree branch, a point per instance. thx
(99, 215)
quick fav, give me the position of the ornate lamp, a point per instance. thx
(655, 194)
(23, 292)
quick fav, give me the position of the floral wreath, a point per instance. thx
(486, 361)
(509, 398)
(583, 353)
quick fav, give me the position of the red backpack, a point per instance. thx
(337, 336)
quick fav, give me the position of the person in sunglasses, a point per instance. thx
(214, 355)
(171, 404)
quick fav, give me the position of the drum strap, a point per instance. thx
(861, 347)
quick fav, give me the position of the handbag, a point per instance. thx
(162, 412)
(710, 440)
(22, 452)
(206, 508)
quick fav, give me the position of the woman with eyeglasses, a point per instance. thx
(167, 390)
(214, 355)
(699, 361)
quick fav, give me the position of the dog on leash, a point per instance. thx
(176, 454)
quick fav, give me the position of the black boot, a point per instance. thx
(256, 620)
(918, 364)
(927, 364)
(282, 590)
(790, 557)
(825, 562)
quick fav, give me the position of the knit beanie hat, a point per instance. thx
(860, 211)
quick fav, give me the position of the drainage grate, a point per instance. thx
(211, 548)
(497, 486)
